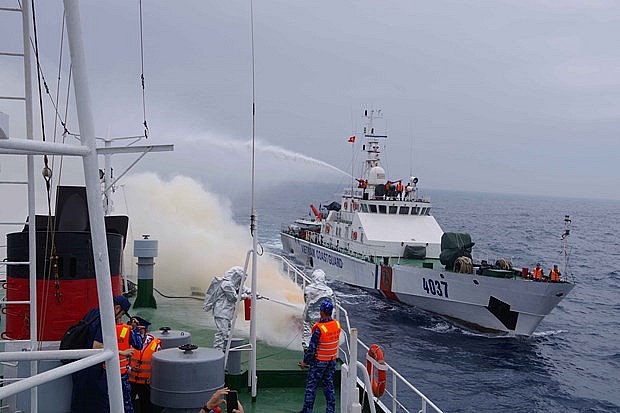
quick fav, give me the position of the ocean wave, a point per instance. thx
(548, 333)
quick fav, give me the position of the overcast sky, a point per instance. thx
(492, 96)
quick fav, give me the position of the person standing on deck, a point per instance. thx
(140, 366)
(315, 293)
(537, 273)
(555, 274)
(321, 356)
(221, 297)
(90, 386)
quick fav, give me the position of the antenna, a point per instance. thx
(252, 361)
(564, 238)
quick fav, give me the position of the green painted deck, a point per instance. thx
(280, 382)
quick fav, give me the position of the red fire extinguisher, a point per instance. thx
(247, 306)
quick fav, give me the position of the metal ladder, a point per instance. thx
(27, 183)
(29, 147)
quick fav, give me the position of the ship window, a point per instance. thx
(423, 211)
(364, 207)
(415, 210)
(428, 211)
(382, 209)
(404, 211)
(373, 208)
(393, 209)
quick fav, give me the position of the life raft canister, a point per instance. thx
(375, 352)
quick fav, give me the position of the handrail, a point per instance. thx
(397, 379)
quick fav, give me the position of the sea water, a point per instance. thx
(572, 361)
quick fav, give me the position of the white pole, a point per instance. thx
(354, 398)
(32, 227)
(95, 208)
(252, 369)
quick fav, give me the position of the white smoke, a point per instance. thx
(198, 240)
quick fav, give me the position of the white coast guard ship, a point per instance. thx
(383, 238)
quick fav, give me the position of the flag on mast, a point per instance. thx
(352, 139)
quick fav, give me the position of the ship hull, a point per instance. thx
(504, 305)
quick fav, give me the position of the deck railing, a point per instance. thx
(400, 394)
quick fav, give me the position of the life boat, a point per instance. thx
(375, 352)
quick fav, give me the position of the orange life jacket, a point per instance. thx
(140, 372)
(123, 334)
(554, 275)
(328, 341)
(537, 273)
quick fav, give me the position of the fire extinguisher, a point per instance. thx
(247, 306)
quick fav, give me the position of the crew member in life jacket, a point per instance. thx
(140, 366)
(129, 341)
(555, 274)
(321, 356)
(90, 387)
(537, 273)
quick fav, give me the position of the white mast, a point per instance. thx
(95, 208)
(252, 361)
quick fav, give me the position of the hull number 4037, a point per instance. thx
(435, 287)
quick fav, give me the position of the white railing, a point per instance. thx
(401, 394)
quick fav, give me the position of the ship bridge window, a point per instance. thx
(423, 211)
(364, 207)
(428, 211)
(404, 211)
(415, 211)
(393, 209)
(382, 209)
(373, 208)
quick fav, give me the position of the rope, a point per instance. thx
(146, 128)
(36, 53)
(464, 265)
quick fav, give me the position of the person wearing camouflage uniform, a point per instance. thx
(320, 357)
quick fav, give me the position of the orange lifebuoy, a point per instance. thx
(378, 383)
(354, 236)
(354, 206)
(327, 229)
(346, 205)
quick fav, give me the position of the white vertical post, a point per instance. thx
(354, 401)
(253, 375)
(95, 207)
(32, 227)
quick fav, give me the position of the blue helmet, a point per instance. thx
(327, 307)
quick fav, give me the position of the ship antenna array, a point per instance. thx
(564, 238)
(371, 115)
